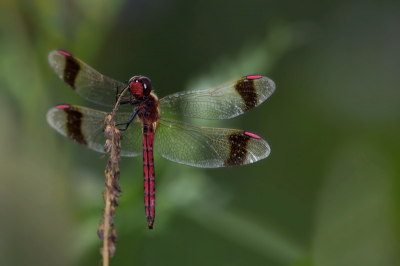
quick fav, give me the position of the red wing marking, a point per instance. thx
(64, 53)
(149, 174)
(254, 77)
(62, 106)
(252, 135)
(222, 102)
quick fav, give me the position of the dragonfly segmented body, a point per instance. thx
(145, 127)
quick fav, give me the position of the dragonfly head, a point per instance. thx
(140, 86)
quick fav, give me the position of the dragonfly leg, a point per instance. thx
(130, 121)
(129, 102)
(130, 94)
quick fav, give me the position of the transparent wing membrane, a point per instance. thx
(206, 146)
(85, 126)
(84, 80)
(175, 140)
(222, 102)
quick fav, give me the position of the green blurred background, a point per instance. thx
(327, 195)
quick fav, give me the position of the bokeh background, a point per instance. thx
(327, 195)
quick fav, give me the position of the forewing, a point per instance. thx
(222, 102)
(85, 126)
(206, 146)
(84, 80)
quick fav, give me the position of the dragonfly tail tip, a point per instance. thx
(150, 224)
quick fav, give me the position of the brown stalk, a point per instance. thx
(106, 231)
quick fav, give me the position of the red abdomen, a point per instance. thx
(148, 168)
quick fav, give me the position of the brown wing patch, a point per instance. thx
(71, 71)
(74, 126)
(238, 152)
(245, 88)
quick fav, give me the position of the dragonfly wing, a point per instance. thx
(85, 126)
(222, 102)
(84, 80)
(206, 146)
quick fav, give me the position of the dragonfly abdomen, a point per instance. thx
(148, 169)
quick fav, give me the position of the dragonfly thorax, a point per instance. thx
(140, 86)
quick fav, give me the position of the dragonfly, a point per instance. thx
(144, 126)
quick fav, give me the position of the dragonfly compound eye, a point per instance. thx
(146, 85)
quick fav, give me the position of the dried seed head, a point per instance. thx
(108, 131)
(116, 186)
(111, 249)
(100, 232)
(114, 236)
(106, 229)
(115, 202)
(116, 178)
(112, 211)
(109, 168)
(108, 119)
(111, 221)
(116, 160)
(107, 146)
(115, 193)
(118, 133)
